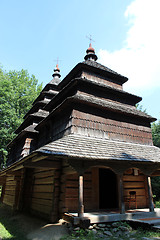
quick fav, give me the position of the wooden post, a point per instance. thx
(121, 194)
(3, 190)
(80, 197)
(150, 196)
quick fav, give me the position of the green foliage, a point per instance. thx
(81, 235)
(156, 187)
(17, 92)
(140, 107)
(156, 142)
(157, 204)
(156, 133)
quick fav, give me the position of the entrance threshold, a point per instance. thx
(112, 216)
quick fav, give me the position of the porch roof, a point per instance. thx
(89, 148)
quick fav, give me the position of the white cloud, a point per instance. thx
(139, 58)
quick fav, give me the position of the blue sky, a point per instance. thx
(126, 34)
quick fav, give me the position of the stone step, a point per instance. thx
(151, 221)
(157, 227)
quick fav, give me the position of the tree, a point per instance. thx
(17, 92)
(156, 142)
(156, 133)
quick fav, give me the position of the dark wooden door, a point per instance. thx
(108, 197)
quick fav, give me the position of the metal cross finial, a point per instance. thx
(90, 38)
(57, 60)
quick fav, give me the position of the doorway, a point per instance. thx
(108, 196)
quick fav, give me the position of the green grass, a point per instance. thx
(9, 228)
(157, 204)
(4, 234)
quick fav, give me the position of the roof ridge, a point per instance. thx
(102, 67)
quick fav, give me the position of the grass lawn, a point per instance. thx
(9, 228)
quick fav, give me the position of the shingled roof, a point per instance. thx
(113, 106)
(82, 147)
(102, 67)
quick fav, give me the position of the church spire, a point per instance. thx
(90, 54)
(56, 75)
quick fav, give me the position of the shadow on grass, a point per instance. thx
(13, 227)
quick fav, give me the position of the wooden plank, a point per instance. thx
(10, 183)
(43, 164)
(47, 180)
(71, 204)
(133, 185)
(44, 195)
(10, 192)
(72, 177)
(44, 174)
(41, 208)
(38, 170)
(10, 188)
(43, 188)
(47, 202)
(74, 192)
(139, 192)
(74, 184)
(10, 178)
(8, 198)
(130, 178)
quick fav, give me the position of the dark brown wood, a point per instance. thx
(150, 195)
(43, 164)
(121, 194)
(80, 197)
(95, 188)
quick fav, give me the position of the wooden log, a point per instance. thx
(140, 192)
(43, 164)
(47, 180)
(44, 195)
(44, 174)
(41, 208)
(47, 202)
(43, 188)
(80, 197)
(150, 195)
(133, 184)
(130, 178)
(121, 194)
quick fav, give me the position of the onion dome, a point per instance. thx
(56, 75)
(90, 54)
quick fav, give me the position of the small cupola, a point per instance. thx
(90, 54)
(56, 75)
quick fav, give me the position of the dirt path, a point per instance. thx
(37, 229)
(31, 228)
(48, 232)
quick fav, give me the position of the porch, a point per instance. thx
(138, 215)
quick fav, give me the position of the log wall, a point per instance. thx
(9, 196)
(69, 191)
(96, 126)
(138, 184)
(12, 190)
(42, 192)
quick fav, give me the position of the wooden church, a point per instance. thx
(82, 147)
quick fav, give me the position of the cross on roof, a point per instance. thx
(57, 60)
(90, 38)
